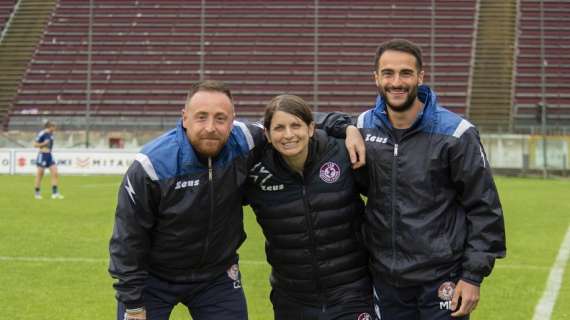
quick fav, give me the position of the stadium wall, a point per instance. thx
(507, 154)
(69, 161)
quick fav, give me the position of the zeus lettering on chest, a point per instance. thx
(260, 176)
(186, 183)
(276, 187)
(372, 138)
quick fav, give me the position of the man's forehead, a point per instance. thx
(209, 94)
(206, 101)
(393, 58)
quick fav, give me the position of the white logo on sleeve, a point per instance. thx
(482, 156)
(130, 190)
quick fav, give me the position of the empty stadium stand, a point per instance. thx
(528, 91)
(145, 54)
(490, 106)
(18, 45)
(6, 9)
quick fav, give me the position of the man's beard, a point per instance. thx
(208, 145)
(407, 105)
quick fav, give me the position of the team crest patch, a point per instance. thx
(364, 316)
(445, 291)
(233, 272)
(330, 172)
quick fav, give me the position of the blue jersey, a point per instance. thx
(45, 135)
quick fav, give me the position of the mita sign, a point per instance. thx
(69, 161)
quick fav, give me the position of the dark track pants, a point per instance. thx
(220, 299)
(286, 309)
(429, 301)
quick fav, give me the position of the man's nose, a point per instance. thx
(210, 125)
(396, 80)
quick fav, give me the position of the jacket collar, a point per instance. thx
(426, 117)
(188, 154)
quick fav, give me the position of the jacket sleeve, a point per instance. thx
(362, 180)
(334, 123)
(362, 174)
(134, 217)
(477, 193)
(259, 142)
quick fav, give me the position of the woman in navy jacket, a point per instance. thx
(306, 200)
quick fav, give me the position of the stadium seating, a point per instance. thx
(6, 9)
(528, 92)
(17, 46)
(145, 54)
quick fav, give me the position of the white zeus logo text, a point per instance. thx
(372, 138)
(259, 171)
(186, 184)
(276, 187)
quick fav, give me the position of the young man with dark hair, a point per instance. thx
(433, 223)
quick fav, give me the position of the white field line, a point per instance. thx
(521, 267)
(86, 260)
(543, 310)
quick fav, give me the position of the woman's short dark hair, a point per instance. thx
(402, 46)
(290, 104)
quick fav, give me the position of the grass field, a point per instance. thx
(53, 253)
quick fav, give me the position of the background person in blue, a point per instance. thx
(44, 142)
(306, 200)
(433, 223)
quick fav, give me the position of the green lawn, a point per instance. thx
(77, 230)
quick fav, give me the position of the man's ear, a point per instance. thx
(376, 78)
(184, 114)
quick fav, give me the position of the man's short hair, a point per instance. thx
(402, 46)
(209, 85)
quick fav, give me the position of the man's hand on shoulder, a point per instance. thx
(355, 146)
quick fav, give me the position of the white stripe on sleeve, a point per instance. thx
(147, 166)
(360, 121)
(246, 132)
(461, 128)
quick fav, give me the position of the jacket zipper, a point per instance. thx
(210, 218)
(394, 176)
(313, 246)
